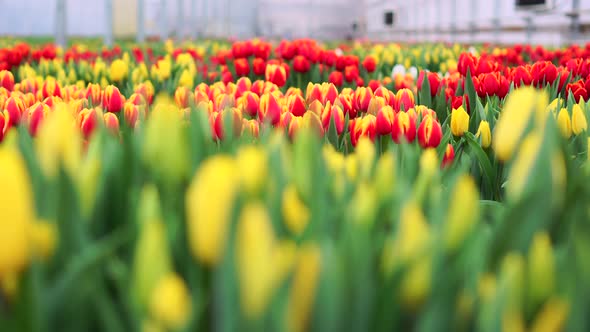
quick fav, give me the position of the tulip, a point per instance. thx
(258, 66)
(254, 161)
(523, 164)
(336, 78)
(111, 122)
(118, 70)
(301, 64)
(363, 97)
(387, 95)
(182, 96)
(463, 212)
(459, 121)
(484, 132)
(449, 156)
(131, 112)
(170, 302)
(296, 105)
(243, 85)
(363, 127)
(384, 121)
(113, 100)
(404, 126)
(303, 290)
(404, 99)
(433, 80)
(15, 107)
(552, 316)
(543, 72)
(16, 213)
(429, 133)
(6, 80)
(165, 150)
(186, 79)
(329, 93)
(314, 92)
(520, 106)
(276, 74)
(270, 109)
(94, 94)
(36, 115)
(541, 269)
(333, 114)
(209, 202)
(375, 105)
(261, 263)
(50, 88)
(146, 89)
(512, 277)
(59, 142)
(295, 213)
(370, 64)
(579, 123)
(564, 123)
(252, 127)
(578, 91)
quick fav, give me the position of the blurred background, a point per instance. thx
(547, 22)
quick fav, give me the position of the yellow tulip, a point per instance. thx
(520, 107)
(170, 302)
(564, 123)
(43, 239)
(295, 212)
(523, 164)
(59, 142)
(16, 213)
(253, 162)
(186, 79)
(209, 203)
(415, 284)
(484, 132)
(463, 212)
(579, 123)
(413, 233)
(552, 317)
(261, 263)
(541, 269)
(303, 289)
(459, 121)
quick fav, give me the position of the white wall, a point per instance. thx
(432, 20)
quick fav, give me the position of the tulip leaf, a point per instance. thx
(482, 158)
(470, 90)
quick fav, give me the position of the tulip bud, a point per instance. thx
(404, 99)
(303, 289)
(94, 94)
(523, 164)
(252, 127)
(118, 70)
(276, 74)
(16, 213)
(131, 114)
(520, 106)
(384, 121)
(449, 156)
(209, 202)
(541, 269)
(6, 80)
(59, 142)
(463, 212)
(375, 105)
(459, 121)
(385, 175)
(415, 285)
(364, 204)
(186, 79)
(151, 258)
(484, 133)
(165, 149)
(552, 317)
(113, 100)
(512, 276)
(111, 122)
(257, 254)
(429, 133)
(170, 302)
(270, 109)
(15, 107)
(579, 123)
(182, 96)
(413, 233)
(254, 163)
(87, 121)
(295, 212)
(564, 123)
(403, 127)
(50, 88)
(37, 113)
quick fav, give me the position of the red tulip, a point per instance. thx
(6, 80)
(296, 105)
(404, 126)
(433, 80)
(301, 64)
(242, 67)
(270, 109)
(336, 78)
(258, 66)
(429, 133)
(449, 156)
(276, 74)
(384, 120)
(113, 100)
(404, 98)
(370, 63)
(111, 122)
